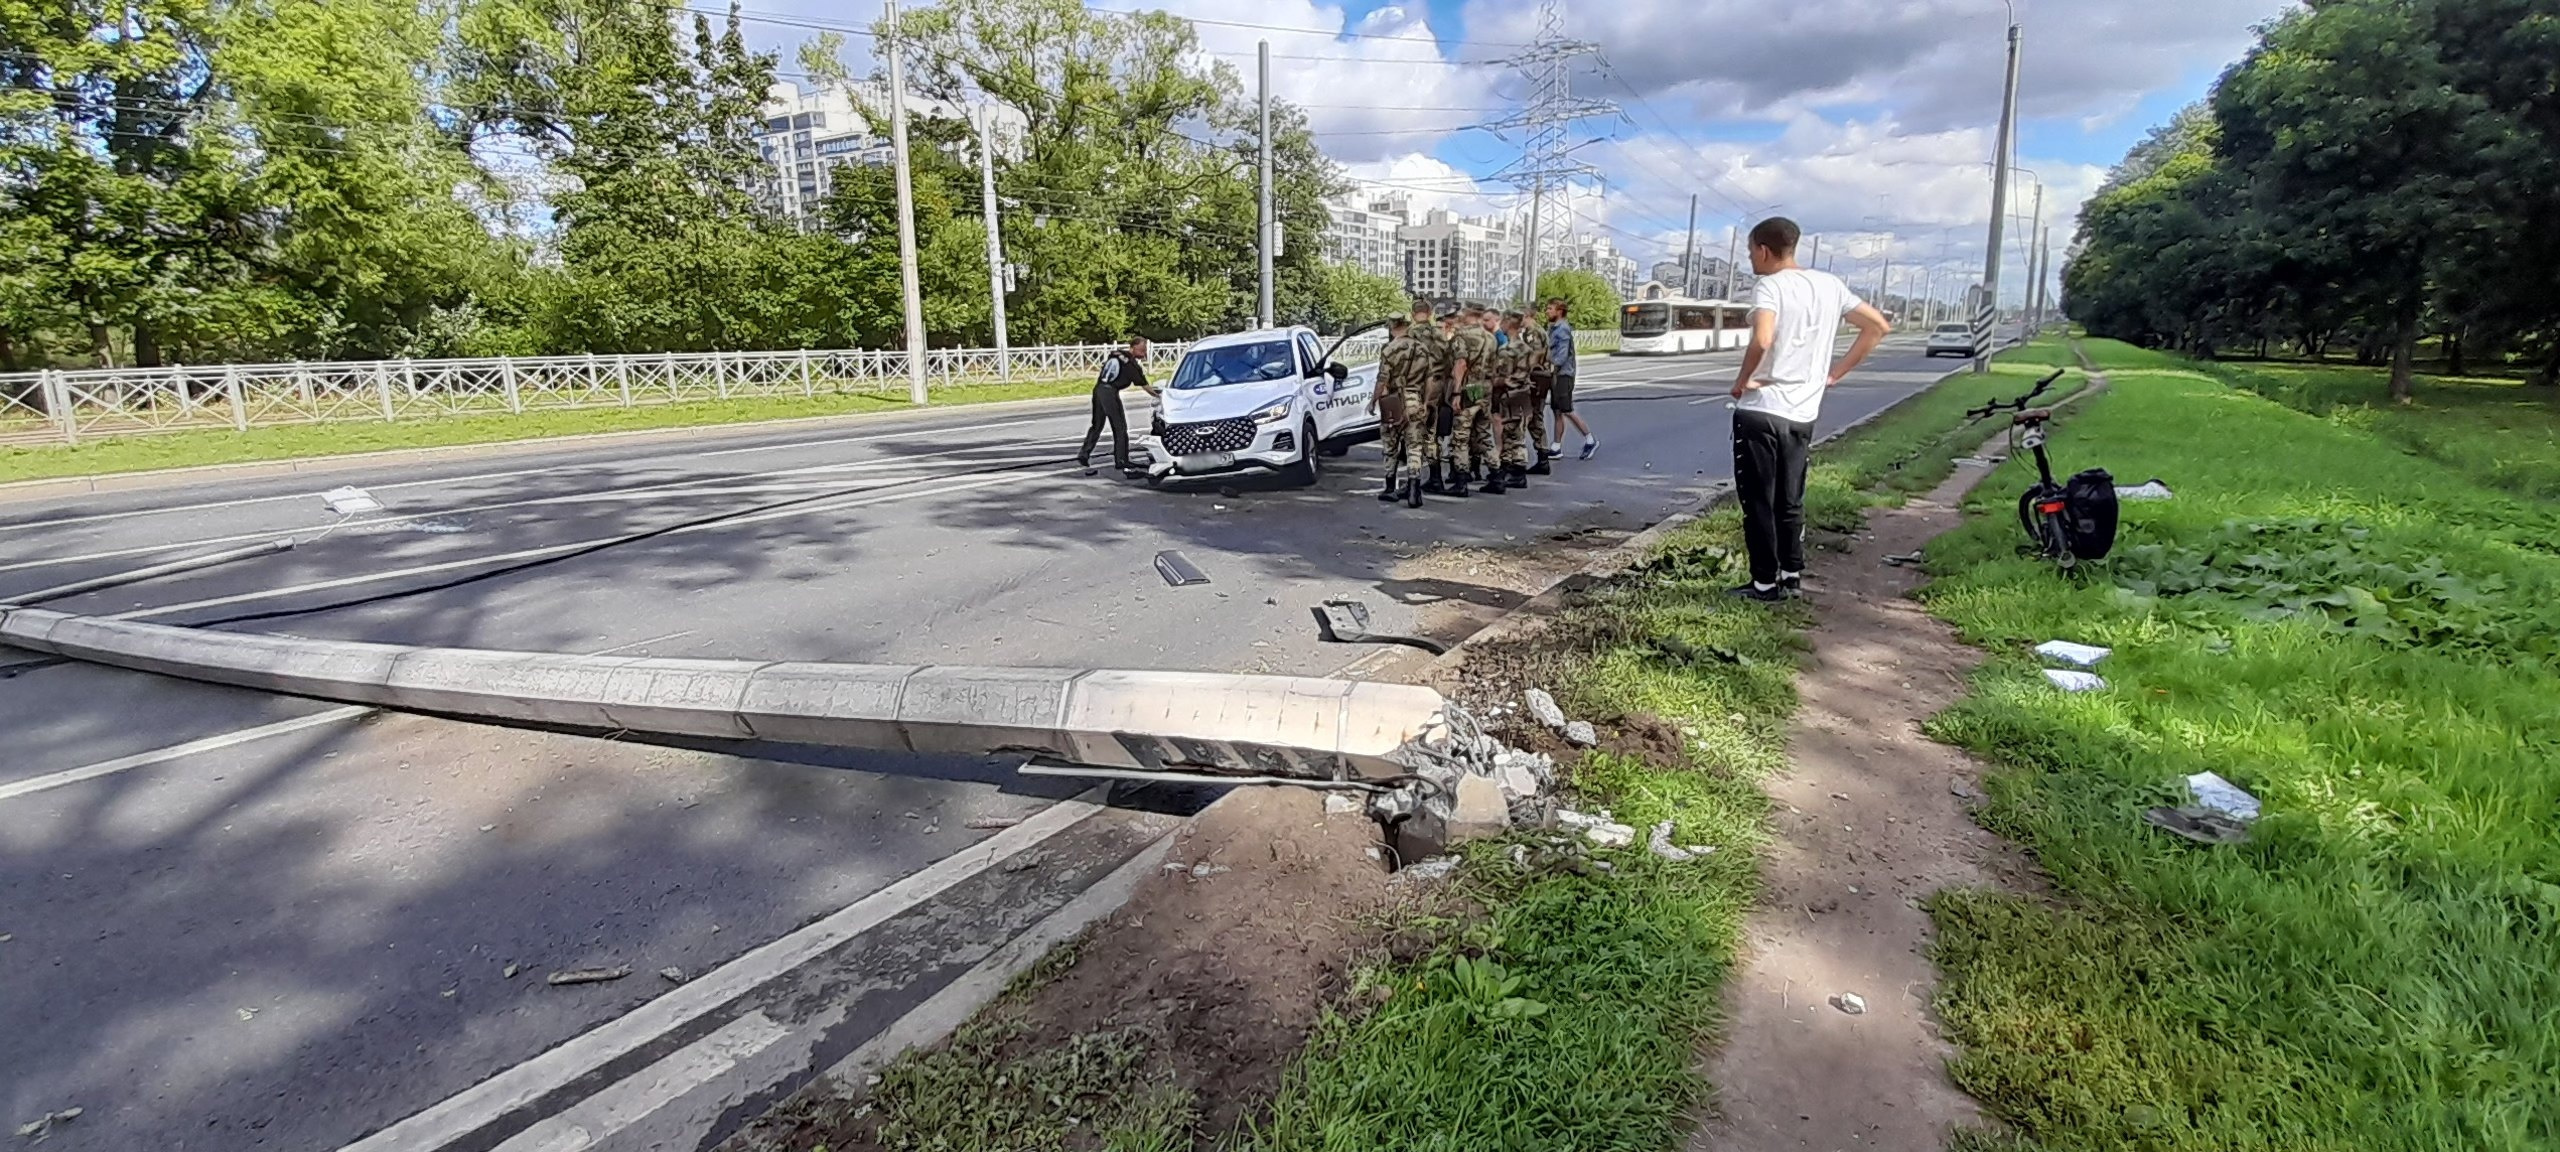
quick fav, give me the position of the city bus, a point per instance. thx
(1676, 326)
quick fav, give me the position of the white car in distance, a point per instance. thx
(1953, 338)
(1273, 399)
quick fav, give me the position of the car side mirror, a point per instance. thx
(1338, 370)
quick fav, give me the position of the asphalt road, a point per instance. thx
(231, 920)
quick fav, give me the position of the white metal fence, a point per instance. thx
(73, 406)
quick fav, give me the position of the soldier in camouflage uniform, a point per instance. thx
(1471, 374)
(1404, 375)
(1441, 411)
(1515, 400)
(1541, 368)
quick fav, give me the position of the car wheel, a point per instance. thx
(1307, 470)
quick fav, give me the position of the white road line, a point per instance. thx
(556, 549)
(217, 505)
(242, 736)
(474, 1108)
(671, 488)
(177, 751)
(633, 1098)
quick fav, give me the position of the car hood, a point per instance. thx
(1223, 402)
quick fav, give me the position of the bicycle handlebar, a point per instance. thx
(2018, 405)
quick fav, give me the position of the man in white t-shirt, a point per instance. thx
(1795, 323)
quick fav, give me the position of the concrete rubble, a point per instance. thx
(1600, 829)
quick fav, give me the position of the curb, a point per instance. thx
(158, 478)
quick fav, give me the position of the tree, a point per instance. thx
(1129, 222)
(1589, 300)
(1339, 298)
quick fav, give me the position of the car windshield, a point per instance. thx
(1235, 364)
(1954, 329)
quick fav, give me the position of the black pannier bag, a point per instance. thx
(2089, 515)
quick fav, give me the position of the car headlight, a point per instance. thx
(1273, 414)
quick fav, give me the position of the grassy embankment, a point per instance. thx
(2353, 610)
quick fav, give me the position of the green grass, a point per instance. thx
(1624, 967)
(222, 446)
(1915, 448)
(1583, 1031)
(2496, 430)
(2352, 632)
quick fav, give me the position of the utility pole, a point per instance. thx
(2000, 186)
(1546, 153)
(1813, 257)
(1529, 250)
(1689, 254)
(995, 240)
(914, 293)
(1268, 227)
(2035, 271)
(1732, 252)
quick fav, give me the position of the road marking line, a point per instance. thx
(660, 488)
(177, 751)
(556, 549)
(632, 1098)
(241, 736)
(217, 505)
(474, 1108)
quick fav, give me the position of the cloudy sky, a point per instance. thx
(1870, 123)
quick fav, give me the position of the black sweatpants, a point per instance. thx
(1107, 409)
(1769, 456)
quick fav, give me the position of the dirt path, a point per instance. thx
(1870, 819)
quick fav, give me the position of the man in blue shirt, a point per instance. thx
(1560, 351)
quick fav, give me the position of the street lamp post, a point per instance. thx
(2000, 182)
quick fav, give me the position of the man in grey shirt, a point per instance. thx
(1560, 350)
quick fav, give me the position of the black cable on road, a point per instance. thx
(616, 542)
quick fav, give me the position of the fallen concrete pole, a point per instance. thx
(1149, 721)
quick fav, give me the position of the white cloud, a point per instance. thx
(1932, 64)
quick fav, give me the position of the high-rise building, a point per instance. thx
(1362, 234)
(1452, 257)
(1600, 257)
(807, 135)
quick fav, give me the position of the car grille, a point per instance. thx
(1214, 436)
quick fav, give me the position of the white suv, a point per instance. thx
(1273, 399)
(1953, 338)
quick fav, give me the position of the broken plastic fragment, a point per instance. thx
(590, 975)
(2082, 655)
(350, 501)
(2070, 681)
(2216, 794)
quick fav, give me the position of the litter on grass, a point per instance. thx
(2202, 825)
(2147, 490)
(2077, 655)
(2215, 794)
(2070, 681)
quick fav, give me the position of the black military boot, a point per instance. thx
(1493, 485)
(1519, 477)
(1433, 485)
(1413, 493)
(1459, 484)
(1392, 492)
(1540, 468)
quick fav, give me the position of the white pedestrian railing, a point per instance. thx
(72, 406)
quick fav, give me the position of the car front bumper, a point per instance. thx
(1273, 446)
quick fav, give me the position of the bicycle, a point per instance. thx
(2064, 523)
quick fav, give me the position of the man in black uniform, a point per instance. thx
(1121, 369)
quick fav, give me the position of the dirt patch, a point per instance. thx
(1870, 818)
(1209, 979)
